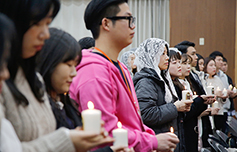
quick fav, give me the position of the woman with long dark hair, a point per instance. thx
(24, 98)
(210, 69)
(8, 138)
(57, 61)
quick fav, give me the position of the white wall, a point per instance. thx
(152, 19)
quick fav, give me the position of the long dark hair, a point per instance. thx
(7, 38)
(199, 58)
(165, 72)
(59, 48)
(184, 58)
(24, 14)
(206, 61)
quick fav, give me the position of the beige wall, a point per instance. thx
(213, 20)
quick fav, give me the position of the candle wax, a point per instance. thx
(121, 137)
(91, 120)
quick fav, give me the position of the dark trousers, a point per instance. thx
(220, 122)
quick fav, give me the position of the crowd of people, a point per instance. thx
(47, 78)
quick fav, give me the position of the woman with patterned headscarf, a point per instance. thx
(128, 59)
(154, 88)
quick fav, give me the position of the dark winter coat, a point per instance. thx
(190, 119)
(156, 112)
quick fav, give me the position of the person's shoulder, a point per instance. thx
(222, 74)
(217, 79)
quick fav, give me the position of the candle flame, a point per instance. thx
(224, 89)
(90, 105)
(172, 129)
(195, 93)
(184, 87)
(65, 93)
(119, 124)
(209, 84)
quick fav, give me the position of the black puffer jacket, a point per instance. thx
(156, 112)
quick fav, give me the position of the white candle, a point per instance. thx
(120, 135)
(172, 131)
(210, 90)
(234, 90)
(215, 105)
(224, 92)
(186, 96)
(218, 91)
(91, 118)
(195, 95)
(230, 87)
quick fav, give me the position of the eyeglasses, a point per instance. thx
(131, 19)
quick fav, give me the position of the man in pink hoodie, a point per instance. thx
(102, 79)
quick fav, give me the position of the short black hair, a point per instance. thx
(86, 42)
(215, 54)
(184, 45)
(96, 10)
(188, 43)
(182, 48)
(225, 60)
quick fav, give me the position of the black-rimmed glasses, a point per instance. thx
(131, 19)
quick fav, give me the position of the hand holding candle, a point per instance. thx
(186, 96)
(215, 105)
(91, 118)
(210, 90)
(218, 91)
(120, 135)
(224, 92)
(195, 95)
(234, 90)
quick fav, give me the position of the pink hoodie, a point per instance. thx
(99, 81)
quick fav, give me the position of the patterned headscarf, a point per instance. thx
(125, 59)
(148, 55)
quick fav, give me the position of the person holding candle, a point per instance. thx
(210, 68)
(218, 57)
(191, 136)
(175, 73)
(177, 78)
(187, 47)
(224, 68)
(154, 88)
(103, 79)
(56, 62)
(24, 101)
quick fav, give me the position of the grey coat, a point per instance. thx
(156, 112)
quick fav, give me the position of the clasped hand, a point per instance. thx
(183, 106)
